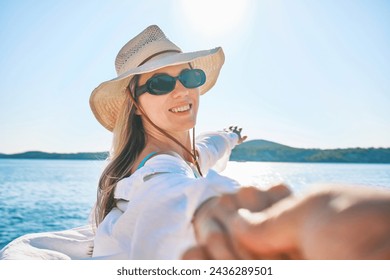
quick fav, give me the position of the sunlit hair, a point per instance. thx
(128, 143)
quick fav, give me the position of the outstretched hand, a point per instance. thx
(212, 217)
(238, 131)
(335, 222)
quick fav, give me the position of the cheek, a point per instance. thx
(196, 102)
(153, 107)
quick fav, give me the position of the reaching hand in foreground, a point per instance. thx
(334, 222)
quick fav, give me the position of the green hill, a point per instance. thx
(262, 150)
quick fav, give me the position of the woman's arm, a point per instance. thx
(215, 148)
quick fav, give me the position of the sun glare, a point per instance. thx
(214, 17)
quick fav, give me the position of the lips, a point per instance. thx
(181, 108)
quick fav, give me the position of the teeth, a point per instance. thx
(181, 109)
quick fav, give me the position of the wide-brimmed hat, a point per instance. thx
(148, 51)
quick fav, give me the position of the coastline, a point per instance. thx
(250, 151)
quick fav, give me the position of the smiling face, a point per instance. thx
(175, 111)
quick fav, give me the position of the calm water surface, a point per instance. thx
(45, 195)
(48, 195)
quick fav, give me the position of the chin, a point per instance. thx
(185, 126)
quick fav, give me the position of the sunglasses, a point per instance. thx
(161, 84)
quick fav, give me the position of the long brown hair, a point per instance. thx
(128, 143)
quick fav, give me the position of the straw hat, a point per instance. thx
(148, 51)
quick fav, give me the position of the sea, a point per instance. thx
(51, 195)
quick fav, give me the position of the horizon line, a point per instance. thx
(107, 151)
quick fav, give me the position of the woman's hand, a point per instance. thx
(212, 216)
(237, 130)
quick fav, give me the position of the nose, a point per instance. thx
(180, 90)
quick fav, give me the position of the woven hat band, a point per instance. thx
(157, 54)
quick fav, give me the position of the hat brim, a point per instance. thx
(107, 99)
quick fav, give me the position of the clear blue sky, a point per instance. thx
(301, 73)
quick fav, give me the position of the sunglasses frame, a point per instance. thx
(147, 88)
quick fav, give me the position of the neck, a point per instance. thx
(157, 141)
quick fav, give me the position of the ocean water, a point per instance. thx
(45, 195)
(50, 195)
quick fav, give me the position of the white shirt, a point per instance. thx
(152, 219)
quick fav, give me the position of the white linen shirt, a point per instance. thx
(152, 218)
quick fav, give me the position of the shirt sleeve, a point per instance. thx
(215, 149)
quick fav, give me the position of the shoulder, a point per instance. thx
(167, 163)
(171, 165)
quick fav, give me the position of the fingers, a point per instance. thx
(195, 253)
(268, 234)
(222, 207)
(278, 192)
(210, 230)
(238, 131)
(212, 218)
(227, 206)
(206, 221)
(210, 233)
(233, 129)
(218, 245)
(252, 198)
(256, 200)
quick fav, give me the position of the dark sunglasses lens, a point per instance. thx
(193, 78)
(161, 84)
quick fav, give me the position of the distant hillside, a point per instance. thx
(255, 150)
(262, 150)
(43, 155)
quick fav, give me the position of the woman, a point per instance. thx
(155, 180)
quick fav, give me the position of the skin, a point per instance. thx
(333, 222)
(159, 110)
